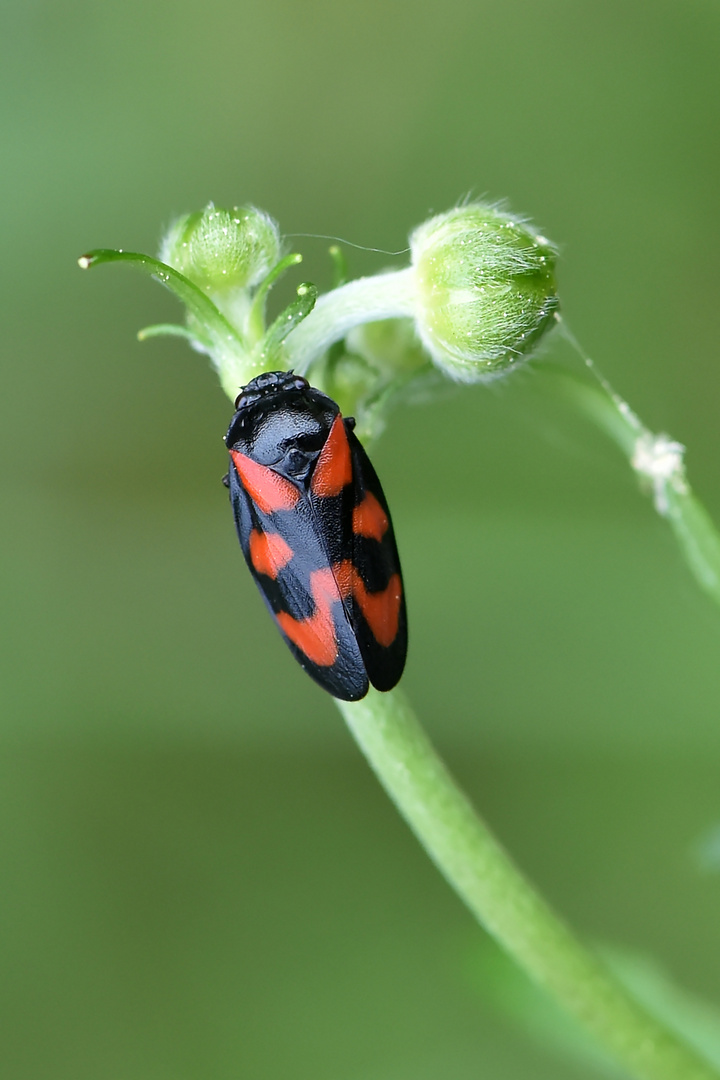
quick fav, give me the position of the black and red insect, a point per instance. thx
(315, 530)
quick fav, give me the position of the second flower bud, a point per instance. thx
(222, 250)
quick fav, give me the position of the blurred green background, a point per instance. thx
(200, 877)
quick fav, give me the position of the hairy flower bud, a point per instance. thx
(221, 250)
(485, 288)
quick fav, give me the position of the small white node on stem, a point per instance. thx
(659, 459)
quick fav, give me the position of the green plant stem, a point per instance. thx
(503, 901)
(384, 725)
(368, 299)
(674, 500)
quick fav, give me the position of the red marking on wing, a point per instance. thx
(333, 470)
(345, 574)
(267, 489)
(269, 553)
(369, 518)
(315, 636)
(381, 610)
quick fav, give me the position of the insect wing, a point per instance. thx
(353, 519)
(379, 615)
(288, 559)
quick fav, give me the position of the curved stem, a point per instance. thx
(503, 901)
(658, 462)
(368, 299)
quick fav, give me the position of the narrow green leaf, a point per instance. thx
(256, 319)
(166, 330)
(197, 304)
(291, 317)
(340, 266)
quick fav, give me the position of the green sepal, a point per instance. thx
(256, 317)
(286, 322)
(165, 330)
(340, 266)
(218, 334)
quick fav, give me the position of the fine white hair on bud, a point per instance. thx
(485, 290)
(221, 250)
